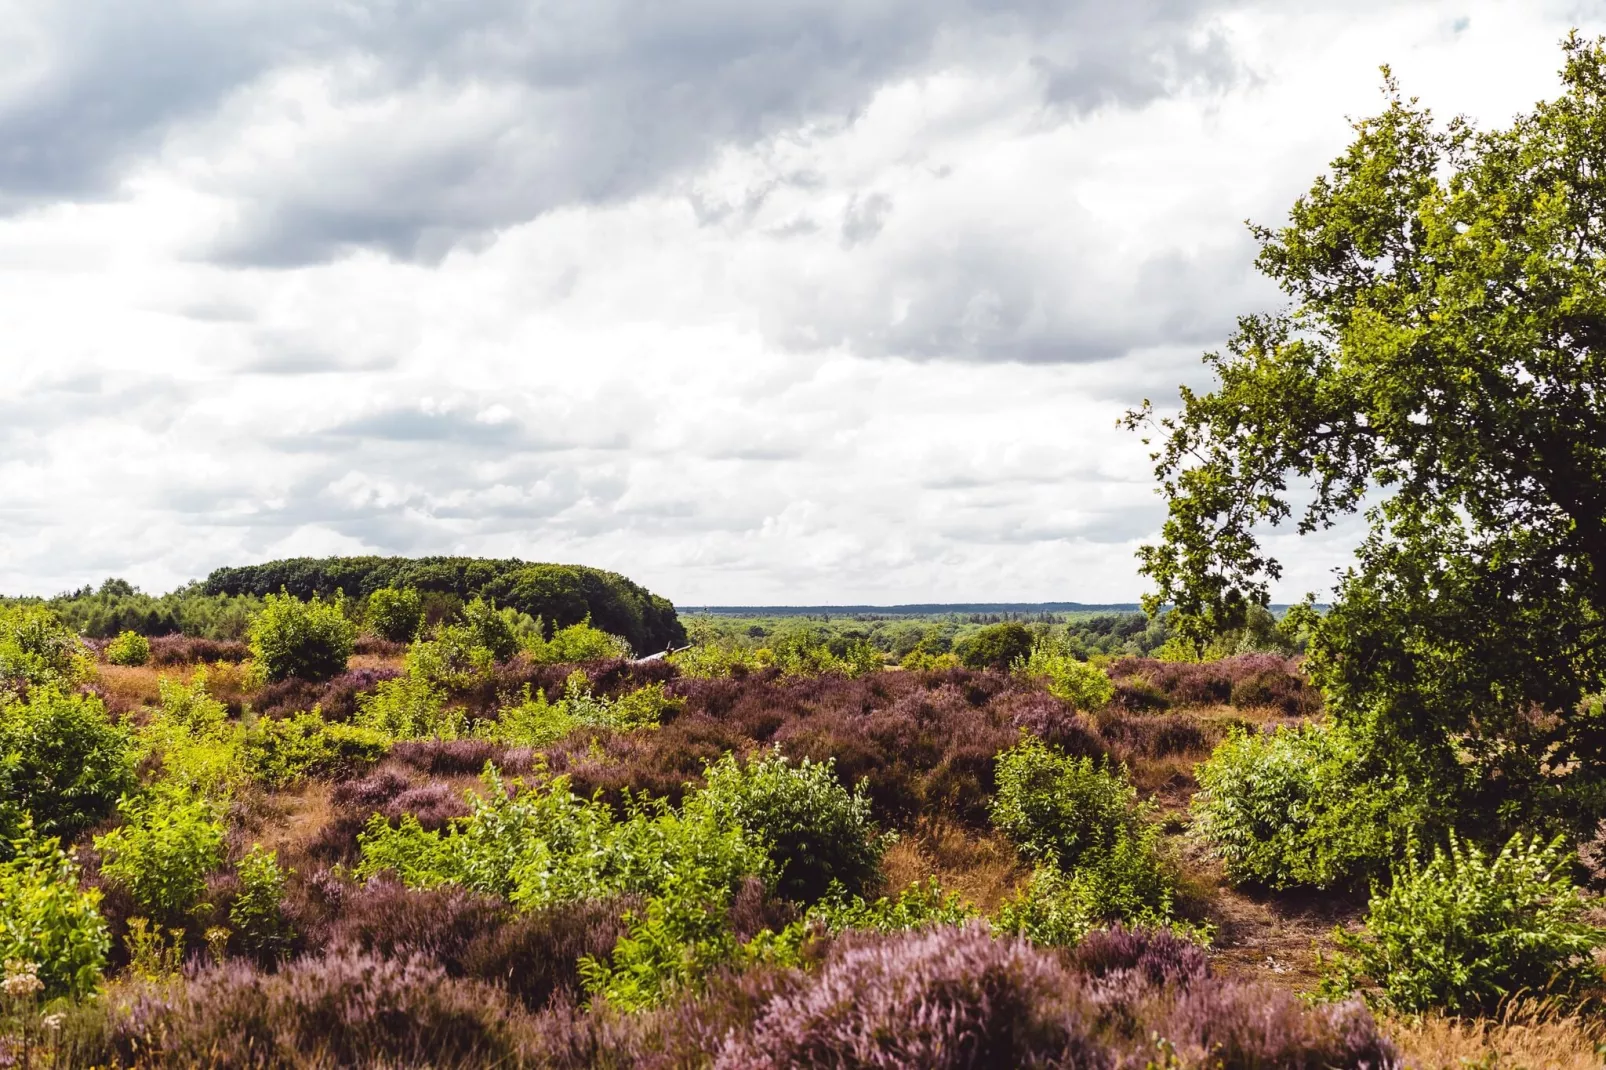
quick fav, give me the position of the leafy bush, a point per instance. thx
(539, 723)
(1297, 808)
(36, 649)
(576, 643)
(1463, 932)
(395, 613)
(1080, 683)
(997, 646)
(408, 707)
(490, 630)
(162, 853)
(679, 938)
(281, 752)
(191, 735)
(311, 640)
(129, 648)
(46, 921)
(916, 907)
(62, 761)
(1057, 808)
(816, 831)
(925, 661)
(257, 913)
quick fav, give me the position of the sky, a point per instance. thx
(805, 301)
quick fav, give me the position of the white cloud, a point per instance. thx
(849, 316)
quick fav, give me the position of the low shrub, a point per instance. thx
(162, 853)
(46, 921)
(311, 640)
(38, 649)
(535, 722)
(129, 648)
(576, 643)
(62, 762)
(1082, 684)
(490, 630)
(339, 1009)
(409, 707)
(395, 613)
(816, 831)
(1265, 680)
(281, 752)
(191, 737)
(1463, 932)
(257, 913)
(916, 907)
(337, 697)
(193, 650)
(1296, 807)
(1057, 808)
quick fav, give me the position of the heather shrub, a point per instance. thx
(1053, 721)
(36, 649)
(62, 762)
(816, 831)
(339, 1009)
(395, 613)
(311, 640)
(996, 646)
(45, 920)
(1058, 808)
(129, 648)
(1463, 931)
(1266, 679)
(1082, 684)
(257, 913)
(161, 854)
(1296, 807)
(409, 707)
(939, 997)
(190, 650)
(284, 751)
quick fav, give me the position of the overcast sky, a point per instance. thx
(795, 301)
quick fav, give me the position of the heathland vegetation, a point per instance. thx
(449, 813)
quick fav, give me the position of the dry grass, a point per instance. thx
(982, 869)
(1528, 1036)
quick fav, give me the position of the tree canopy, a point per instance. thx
(1440, 368)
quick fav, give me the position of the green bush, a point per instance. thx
(281, 752)
(1464, 932)
(576, 643)
(257, 913)
(395, 613)
(491, 630)
(37, 649)
(816, 831)
(129, 648)
(543, 845)
(682, 934)
(535, 722)
(162, 853)
(1057, 808)
(310, 640)
(997, 646)
(1082, 684)
(917, 906)
(451, 659)
(47, 921)
(1297, 808)
(62, 761)
(191, 735)
(408, 707)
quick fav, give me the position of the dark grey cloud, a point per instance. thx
(572, 103)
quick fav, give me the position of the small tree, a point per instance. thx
(996, 646)
(129, 648)
(61, 761)
(311, 640)
(46, 921)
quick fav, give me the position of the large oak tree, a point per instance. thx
(1440, 368)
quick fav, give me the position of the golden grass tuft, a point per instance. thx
(1528, 1035)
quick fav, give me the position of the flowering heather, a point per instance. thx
(336, 696)
(1269, 680)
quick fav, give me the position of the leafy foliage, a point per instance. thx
(395, 613)
(539, 723)
(815, 830)
(489, 629)
(37, 649)
(1082, 684)
(199, 749)
(283, 751)
(129, 648)
(310, 640)
(62, 762)
(257, 913)
(163, 852)
(1058, 808)
(1440, 366)
(996, 646)
(47, 921)
(1298, 807)
(409, 707)
(1464, 931)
